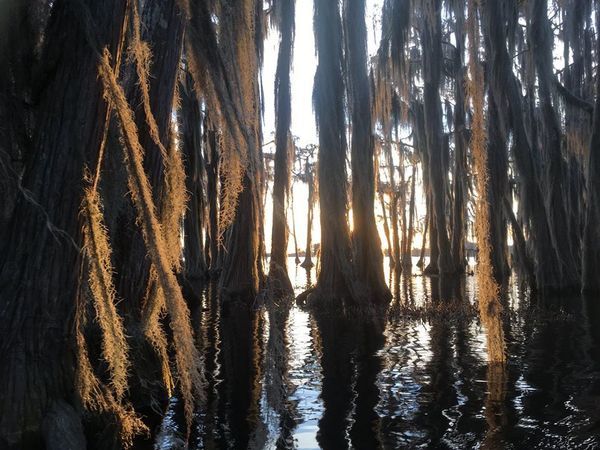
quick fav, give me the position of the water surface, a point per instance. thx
(281, 378)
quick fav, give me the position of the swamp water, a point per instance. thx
(283, 379)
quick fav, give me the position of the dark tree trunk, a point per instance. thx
(497, 191)
(393, 194)
(163, 31)
(367, 256)
(431, 37)
(212, 157)
(278, 274)
(242, 262)
(407, 257)
(591, 235)
(335, 278)
(194, 221)
(40, 259)
(460, 148)
(554, 172)
(386, 228)
(308, 263)
(506, 90)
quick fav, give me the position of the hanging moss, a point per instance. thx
(186, 354)
(490, 308)
(98, 255)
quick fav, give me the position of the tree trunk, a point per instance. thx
(335, 278)
(163, 31)
(40, 260)
(591, 235)
(242, 264)
(393, 194)
(213, 157)
(308, 263)
(554, 172)
(367, 256)
(194, 221)
(432, 57)
(278, 274)
(459, 260)
(386, 228)
(407, 257)
(497, 191)
(505, 86)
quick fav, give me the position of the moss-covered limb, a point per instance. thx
(490, 308)
(187, 357)
(100, 270)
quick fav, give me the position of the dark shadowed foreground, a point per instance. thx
(290, 380)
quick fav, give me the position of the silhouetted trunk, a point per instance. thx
(295, 235)
(505, 88)
(278, 275)
(591, 235)
(393, 194)
(308, 263)
(407, 257)
(553, 172)
(459, 213)
(242, 265)
(367, 256)
(335, 278)
(386, 228)
(431, 37)
(194, 221)
(212, 157)
(497, 191)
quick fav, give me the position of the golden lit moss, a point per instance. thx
(490, 307)
(95, 397)
(151, 327)
(173, 207)
(140, 53)
(175, 201)
(187, 357)
(98, 255)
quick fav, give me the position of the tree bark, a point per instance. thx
(162, 29)
(431, 36)
(367, 256)
(308, 263)
(212, 157)
(242, 264)
(278, 273)
(194, 221)
(335, 279)
(40, 260)
(591, 234)
(460, 148)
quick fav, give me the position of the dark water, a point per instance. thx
(280, 378)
